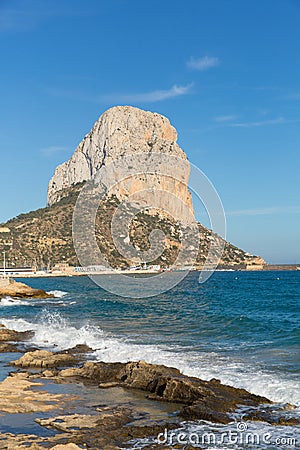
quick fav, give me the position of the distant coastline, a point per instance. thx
(71, 273)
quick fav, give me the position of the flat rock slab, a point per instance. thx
(16, 396)
(70, 423)
(109, 429)
(9, 441)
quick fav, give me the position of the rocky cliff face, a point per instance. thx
(45, 237)
(119, 132)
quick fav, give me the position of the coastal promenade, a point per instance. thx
(71, 273)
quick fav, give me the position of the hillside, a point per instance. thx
(44, 237)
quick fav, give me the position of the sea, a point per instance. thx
(240, 327)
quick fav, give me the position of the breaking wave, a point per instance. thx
(9, 301)
(57, 293)
(53, 331)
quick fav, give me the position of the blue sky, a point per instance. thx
(225, 72)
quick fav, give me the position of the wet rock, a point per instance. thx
(44, 359)
(206, 400)
(114, 431)
(8, 348)
(202, 412)
(7, 335)
(272, 417)
(9, 441)
(101, 431)
(142, 375)
(70, 423)
(78, 349)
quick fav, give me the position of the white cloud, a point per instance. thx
(148, 97)
(259, 123)
(265, 211)
(204, 63)
(52, 150)
(228, 118)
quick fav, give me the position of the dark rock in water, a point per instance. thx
(8, 348)
(201, 411)
(7, 335)
(207, 400)
(201, 400)
(273, 416)
(108, 429)
(78, 349)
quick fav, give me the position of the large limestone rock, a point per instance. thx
(120, 132)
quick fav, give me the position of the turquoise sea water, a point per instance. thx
(240, 327)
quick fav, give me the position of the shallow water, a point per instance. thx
(82, 398)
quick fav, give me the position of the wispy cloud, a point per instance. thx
(52, 150)
(21, 15)
(260, 123)
(228, 118)
(16, 16)
(265, 211)
(149, 97)
(292, 96)
(203, 63)
(141, 97)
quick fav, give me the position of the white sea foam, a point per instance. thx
(54, 331)
(255, 435)
(57, 293)
(9, 301)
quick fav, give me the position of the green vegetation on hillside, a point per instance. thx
(43, 237)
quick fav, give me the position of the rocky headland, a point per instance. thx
(121, 132)
(15, 289)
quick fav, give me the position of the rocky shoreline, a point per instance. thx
(15, 289)
(121, 396)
